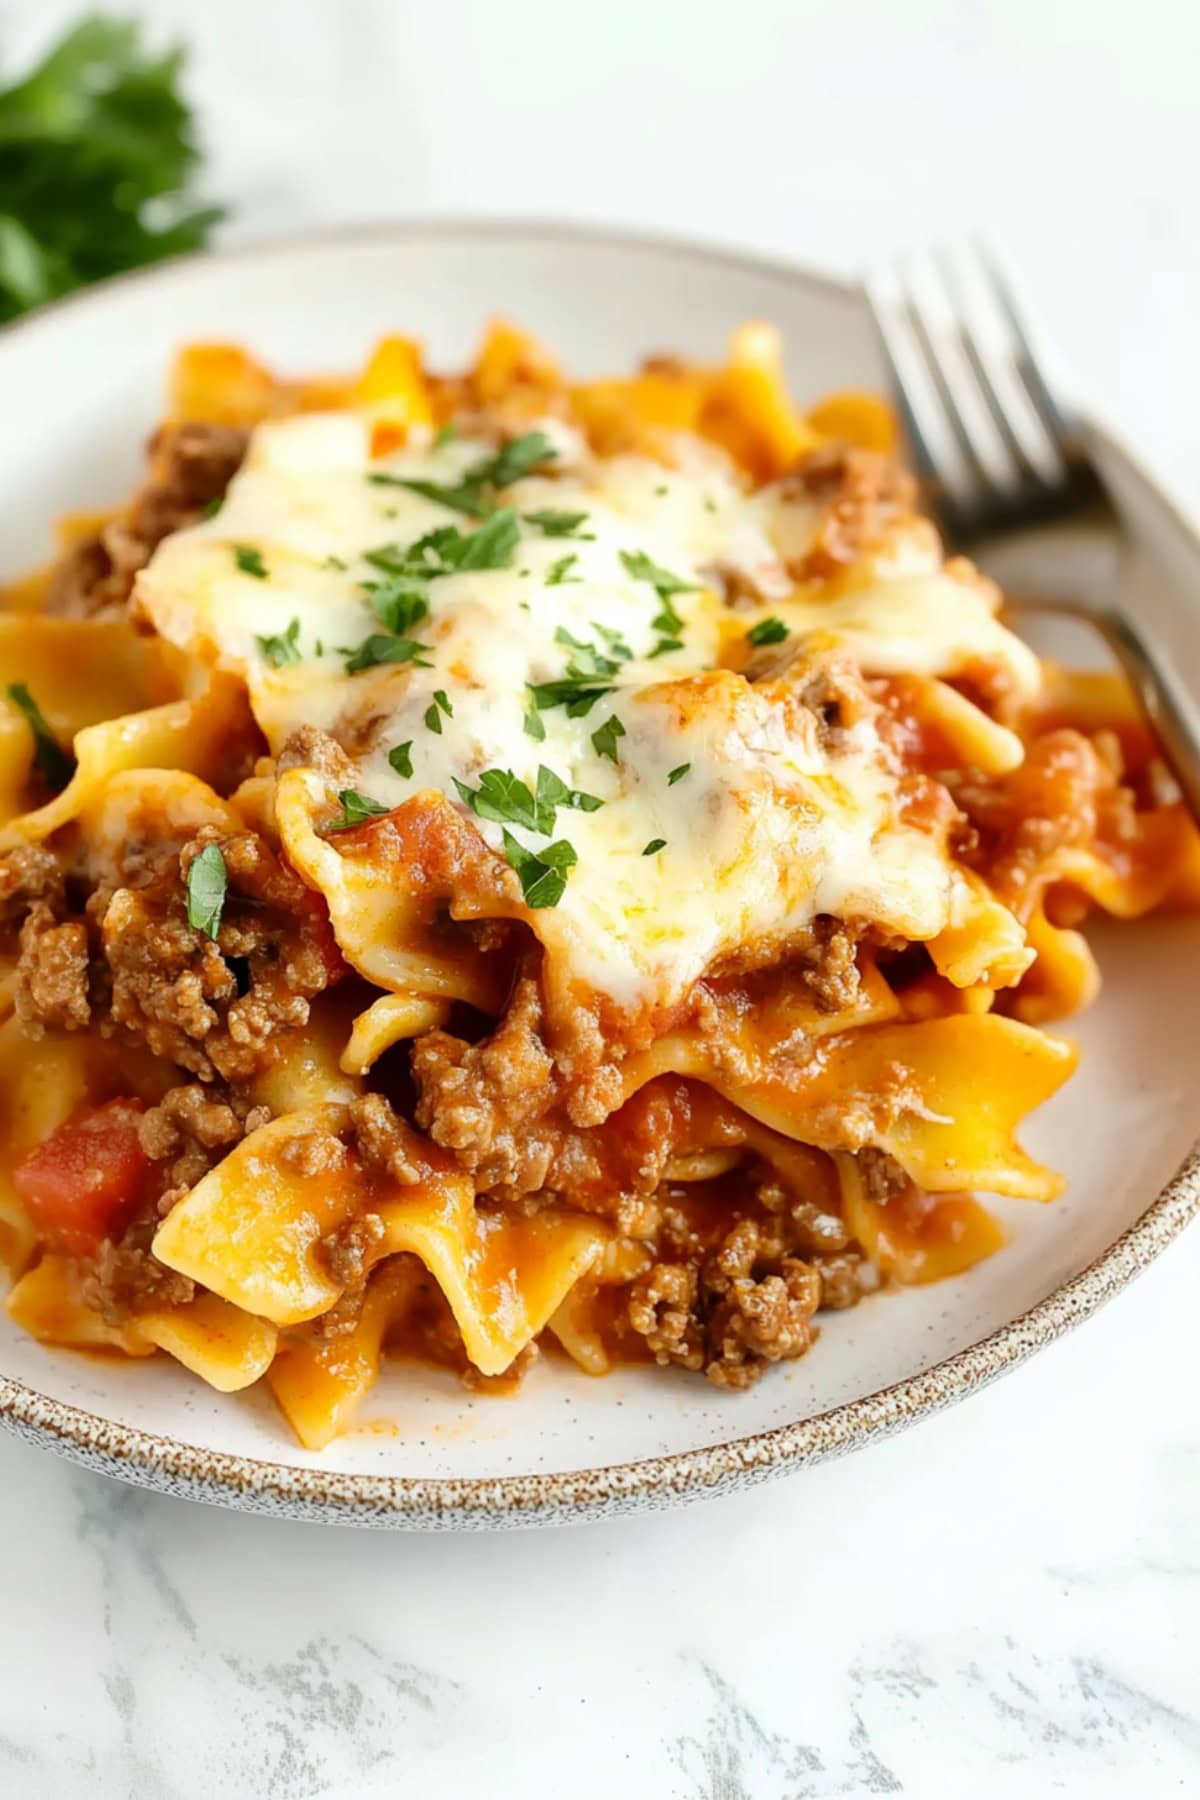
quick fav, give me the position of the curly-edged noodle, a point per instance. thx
(374, 916)
(912, 1089)
(252, 1232)
(939, 1242)
(319, 1379)
(387, 1021)
(49, 1302)
(193, 735)
(227, 1348)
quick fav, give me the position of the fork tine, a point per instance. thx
(1029, 363)
(936, 447)
(963, 394)
(996, 345)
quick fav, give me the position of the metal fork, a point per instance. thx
(1009, 476)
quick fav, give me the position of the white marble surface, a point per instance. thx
(1005, 1601)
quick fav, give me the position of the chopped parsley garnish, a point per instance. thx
(212, 507)
(678, 774)
(474, 492)
(335, 562)
(587, 679)
(282, 648)
(666, 620)
(654, 846)
(616, 643)
(710, 505)
(533, 723)
(380, 649)
(461, 496)
(397, 604)
(492, 546)
(555, 524)
(604, 740)
(542, 873)
(768, 631)
(249, 561)
(356, 809)
(660, 491)
(515, 460)
(446, 435)
(507, 800)
(400, 759)
(557, 573)
(433, 714)
(207, 879)
(52, 762)
(643, 568)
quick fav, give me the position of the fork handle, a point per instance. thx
(1170, 708)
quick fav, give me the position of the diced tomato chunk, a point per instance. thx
(83, 1184)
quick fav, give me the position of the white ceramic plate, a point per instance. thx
(81, 385)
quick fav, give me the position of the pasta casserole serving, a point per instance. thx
(496, 865)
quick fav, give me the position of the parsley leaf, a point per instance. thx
(249, 561)
(663, 646)
(433, 713)
(212, 507)
(678, 774)
(99, 152)
(472, 494)
(643, 568)
(587, 679)
(283, 648)
(397, 604)
(54, 764)
(542, 874)
(446, 435)
(614, 641)
(507, 800)
(533, 723)
(557, 573)
(553, 792)
(207, 879)
(654, 846)
(356, 809)
(768, 631)
(460, 496)
(555, 524)
(335, 562)
(492, 546)
(515, 460)
(380, 649)
(401, 759)
(604, 740)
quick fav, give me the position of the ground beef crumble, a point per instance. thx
(859, 495)
(488, 1102)
(191, 465)
(132, 963)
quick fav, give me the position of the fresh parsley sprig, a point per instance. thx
(507, 800)
(97, 155)
(768, 631)
(475, 492)
(54, 764)
(283, 648)
(356, 810)
(542, 873)
(604, 739)
(207, 881)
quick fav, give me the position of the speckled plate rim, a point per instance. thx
(481, 1503)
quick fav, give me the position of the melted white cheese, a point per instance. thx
(766, 828)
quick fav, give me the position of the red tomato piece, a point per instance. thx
(82, 1185)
